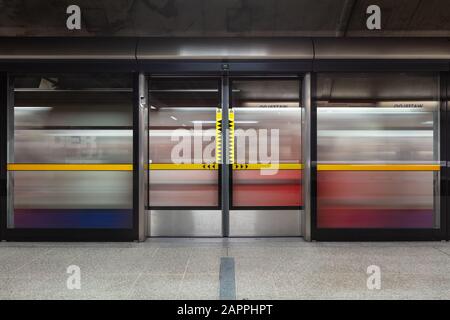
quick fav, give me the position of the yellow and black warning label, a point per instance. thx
(231, 134)
(218, 135)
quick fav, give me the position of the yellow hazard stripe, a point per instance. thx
(218, 135)
(183, 166)
(378, 167)
(268, 166)
(231, 134)
(68, 167)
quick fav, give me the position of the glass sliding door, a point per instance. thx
(184, 187)
(266, 193)
(70, 152)
(378, 151)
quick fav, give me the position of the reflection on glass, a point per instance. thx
(71, 119)
(390, 123)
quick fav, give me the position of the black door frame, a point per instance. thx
(7, 70)
(384, 234)
(445, 149)
(4, 92)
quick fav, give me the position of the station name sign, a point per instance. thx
(409, 104)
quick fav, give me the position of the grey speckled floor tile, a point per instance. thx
(190, 269)
(199, 286)
(153, 287)
(168, 261)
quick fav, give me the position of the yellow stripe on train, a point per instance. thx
(267, 166)
(378, 167)
(184, 166)
(69, 167)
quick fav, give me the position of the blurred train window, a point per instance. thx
(378, 150)
(267, 130)
(71, 154)
(182, 117)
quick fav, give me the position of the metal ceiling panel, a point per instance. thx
(381, 49)
(67, 49)
(224, 48)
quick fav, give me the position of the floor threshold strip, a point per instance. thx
(227, 290)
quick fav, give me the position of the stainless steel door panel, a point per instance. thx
(185, 223)
(265, 223)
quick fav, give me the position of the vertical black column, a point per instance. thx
(444, 158)
(140, 155)
(306, 155)
(136, 158)
(439, 154)
(143, 168)
(4, 92)
(225, 163)
(313, 156)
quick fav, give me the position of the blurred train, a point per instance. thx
(356, 130)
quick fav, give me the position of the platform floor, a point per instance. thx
(199, 269)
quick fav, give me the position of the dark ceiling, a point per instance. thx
(340, 18)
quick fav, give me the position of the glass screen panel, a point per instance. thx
(378, 150)
(182, 135)
(70, 162)
(267, 130)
